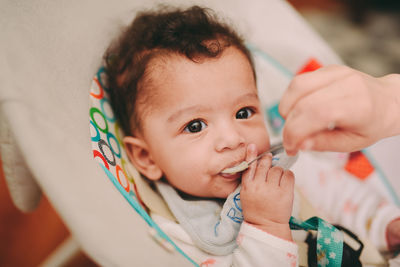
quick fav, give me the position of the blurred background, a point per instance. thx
(364, 33)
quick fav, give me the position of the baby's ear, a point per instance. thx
(141, 158)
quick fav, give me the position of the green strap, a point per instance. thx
(329, 240)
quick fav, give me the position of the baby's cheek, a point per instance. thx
(262, 142)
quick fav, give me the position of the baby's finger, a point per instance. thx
(263, 165)
(274, 176)
(248, 175)
(287, 180)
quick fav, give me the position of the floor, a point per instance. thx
(27, 239)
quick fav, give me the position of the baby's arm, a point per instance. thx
(267, 196)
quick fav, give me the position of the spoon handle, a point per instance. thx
(273, 150)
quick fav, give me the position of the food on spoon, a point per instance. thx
(238, 168)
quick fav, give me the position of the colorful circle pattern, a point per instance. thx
(106, 135)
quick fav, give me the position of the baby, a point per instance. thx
(184, 91)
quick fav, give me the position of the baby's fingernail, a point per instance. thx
(307, 144)
(251, 147)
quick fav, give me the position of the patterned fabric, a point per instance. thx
(329, 240)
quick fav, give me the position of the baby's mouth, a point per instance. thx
(240, 167)
(231, 176)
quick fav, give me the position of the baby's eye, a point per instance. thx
(244, 113)
(195, 126)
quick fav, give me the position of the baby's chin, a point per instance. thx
(224, 193)
(220, 191)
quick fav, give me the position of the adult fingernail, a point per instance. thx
(291, 152)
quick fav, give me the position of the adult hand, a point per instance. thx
(337, 108)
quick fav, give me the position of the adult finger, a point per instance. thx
(315, 113)
(307, 83)
(336, 140)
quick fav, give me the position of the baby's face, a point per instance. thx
(203, 116)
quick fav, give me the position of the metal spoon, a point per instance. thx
(244, 164)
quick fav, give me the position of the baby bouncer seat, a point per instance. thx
(51, 52)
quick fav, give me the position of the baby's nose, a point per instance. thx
(229, 138)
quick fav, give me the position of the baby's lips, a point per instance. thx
(233, 176)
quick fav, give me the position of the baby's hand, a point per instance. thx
(393, 235)
(267, 195)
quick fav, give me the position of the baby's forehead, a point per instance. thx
(164, 58)
(168, 63)
(161, 63)
(168, 73)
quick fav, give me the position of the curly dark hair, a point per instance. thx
(194, 33)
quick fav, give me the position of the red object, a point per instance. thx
(358, 165)
(311, 65)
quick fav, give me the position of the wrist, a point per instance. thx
(281, 230)
(391, 85)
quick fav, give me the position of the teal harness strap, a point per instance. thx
(329, 240)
